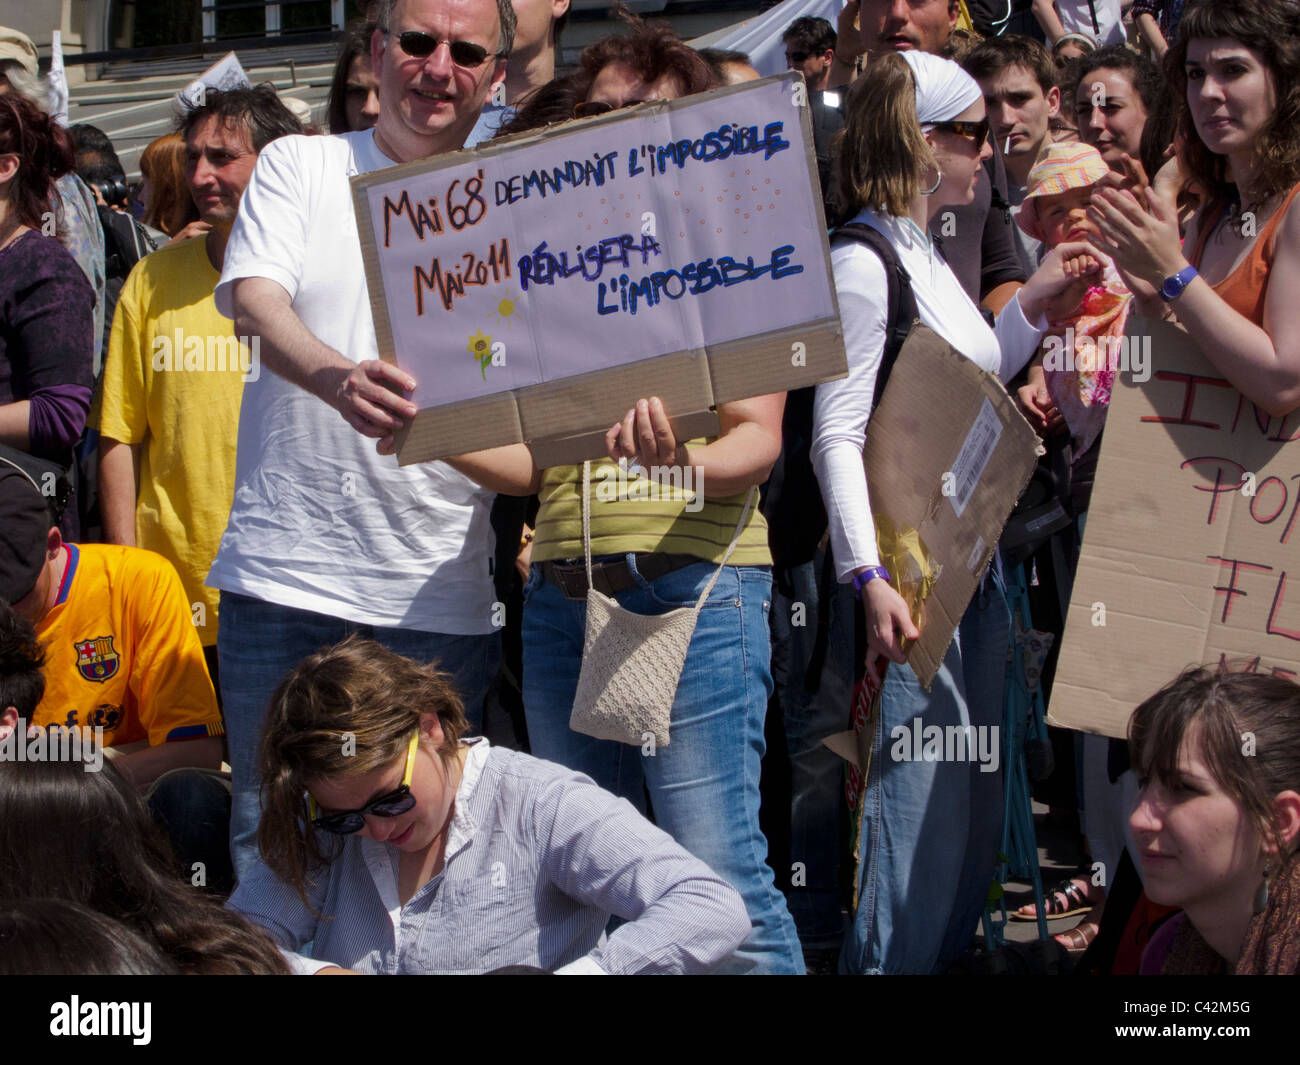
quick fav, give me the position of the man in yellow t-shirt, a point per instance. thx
(174, 373)
(121, 655)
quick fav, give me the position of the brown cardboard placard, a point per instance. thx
(947, 454)
(1185, 559)
(536, 287)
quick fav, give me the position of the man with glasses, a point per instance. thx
(810, 49)
(326, 537)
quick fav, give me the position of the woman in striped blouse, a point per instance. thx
(391, 845)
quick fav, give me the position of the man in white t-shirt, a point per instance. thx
(326, 536)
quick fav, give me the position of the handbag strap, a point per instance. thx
(731, 547)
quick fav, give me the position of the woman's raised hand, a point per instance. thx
(1144, 240)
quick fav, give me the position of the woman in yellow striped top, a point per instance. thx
(656, 542)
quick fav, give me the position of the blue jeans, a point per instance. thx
(259, 642)
(816, 773)
(704, 784)
(931, 829)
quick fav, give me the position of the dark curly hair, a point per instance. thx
(1271, 28)
(44, 155)
(22, 684)
(257, 109)
(1151, 88)
(650, 50)
(51, 937)
(1147, 80)
(88, 838)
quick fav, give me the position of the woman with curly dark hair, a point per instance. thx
(1120, 106)
(87, 838)
(1235, 73)
(46, 304)
(650, 63)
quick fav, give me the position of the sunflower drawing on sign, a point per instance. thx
(480, 347)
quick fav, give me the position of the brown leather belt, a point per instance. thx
(612, 576)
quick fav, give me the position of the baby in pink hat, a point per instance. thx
(1070, 379)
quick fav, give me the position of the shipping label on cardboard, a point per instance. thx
(976, 450)
(537, 287)
(1189, 554)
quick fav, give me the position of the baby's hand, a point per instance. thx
(1039, 409)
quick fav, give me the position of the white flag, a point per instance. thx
(58, 81)
(760, 37)
(222, 76)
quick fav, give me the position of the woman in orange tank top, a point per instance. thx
(1235, 72)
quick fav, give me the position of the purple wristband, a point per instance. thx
(871, 573)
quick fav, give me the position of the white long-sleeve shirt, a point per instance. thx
(841, 408)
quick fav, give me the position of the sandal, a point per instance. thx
(1078, 938)
(1067, 899)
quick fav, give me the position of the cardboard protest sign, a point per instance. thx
(1190, 537)
(536, 288)
(947, 456)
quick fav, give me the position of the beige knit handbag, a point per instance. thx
(631, 663)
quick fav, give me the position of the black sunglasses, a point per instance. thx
(463, 53)
(978, 131)
(393, 804)
(796, 57)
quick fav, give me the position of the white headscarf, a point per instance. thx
(943, 89)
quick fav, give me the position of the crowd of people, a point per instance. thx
(209, 557)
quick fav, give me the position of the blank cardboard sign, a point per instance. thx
(536, 287)
(947, 455)
(1190, 550)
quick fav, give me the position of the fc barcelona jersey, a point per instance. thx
(122, 652)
